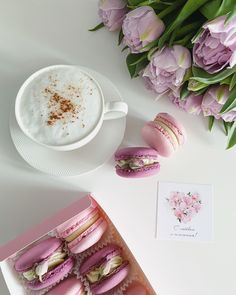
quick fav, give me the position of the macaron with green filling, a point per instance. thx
(44, 264)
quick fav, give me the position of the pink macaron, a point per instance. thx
(165, 134)
(44, 264)
(105, 269)
(70, 286)
(136, 162)
(83, 231)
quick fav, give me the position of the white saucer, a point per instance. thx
(82, 160)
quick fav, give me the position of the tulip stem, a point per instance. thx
(171, 8)
(185, 40)
(188, 28)
(183, 31)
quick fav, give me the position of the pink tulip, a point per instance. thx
(140, 27)
(167, 68)
(213, 101)
(112, 13)
(215, 48)
(191, 104)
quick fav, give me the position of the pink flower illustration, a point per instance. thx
(184, 206)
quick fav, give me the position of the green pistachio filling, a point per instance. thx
(104, 270)
(30, 275)
(40, 269)
(135, 163)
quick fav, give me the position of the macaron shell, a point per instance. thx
(111, 281)
(157, 140)
(70, 286)
(136, 289)
(53, 276)
(137, 173)
(71, 222)
(97, 257)
(178, 127)
(85, 241)
(131, 152)
(81, 226)
(37, 253)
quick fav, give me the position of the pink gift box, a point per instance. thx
(12, 249)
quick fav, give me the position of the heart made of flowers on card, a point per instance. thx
(184, 206)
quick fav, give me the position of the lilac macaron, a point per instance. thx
(44, 264)
(136, 162)
(105, 269)
(165, 134)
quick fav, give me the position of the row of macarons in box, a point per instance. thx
(45, 267)
(69, 261)
(164, 135)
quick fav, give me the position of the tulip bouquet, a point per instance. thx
(185, 49)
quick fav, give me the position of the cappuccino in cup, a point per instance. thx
(63, 107)
(60, 106)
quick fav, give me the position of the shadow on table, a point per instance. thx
(133, 136)
(34, 204)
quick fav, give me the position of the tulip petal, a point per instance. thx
(182, 56)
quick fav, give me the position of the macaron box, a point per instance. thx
(76, 252)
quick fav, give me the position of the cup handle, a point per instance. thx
(115, 110)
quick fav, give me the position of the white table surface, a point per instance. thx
(34, 34)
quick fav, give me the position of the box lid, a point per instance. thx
(45, 227)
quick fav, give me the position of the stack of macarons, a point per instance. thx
(50, 266)
(163, 135)
(47, 262)
(83, 231)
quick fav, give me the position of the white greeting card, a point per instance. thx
(184, 212)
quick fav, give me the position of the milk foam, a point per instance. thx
(60, 106)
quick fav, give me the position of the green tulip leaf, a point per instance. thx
(211, 121)
(195, 85)
(227, 127)
(201, 91)
(120, 37)
(215, 8)
(156, 4)
(99, 26)
(188, 9)
(230, 103)
(135, 63)
(232, 82)
(123, 49)
(226, 81)
(149, 46)
(202, 76)
(232, 136)
(184, 92)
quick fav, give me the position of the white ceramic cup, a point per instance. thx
(109, 110)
